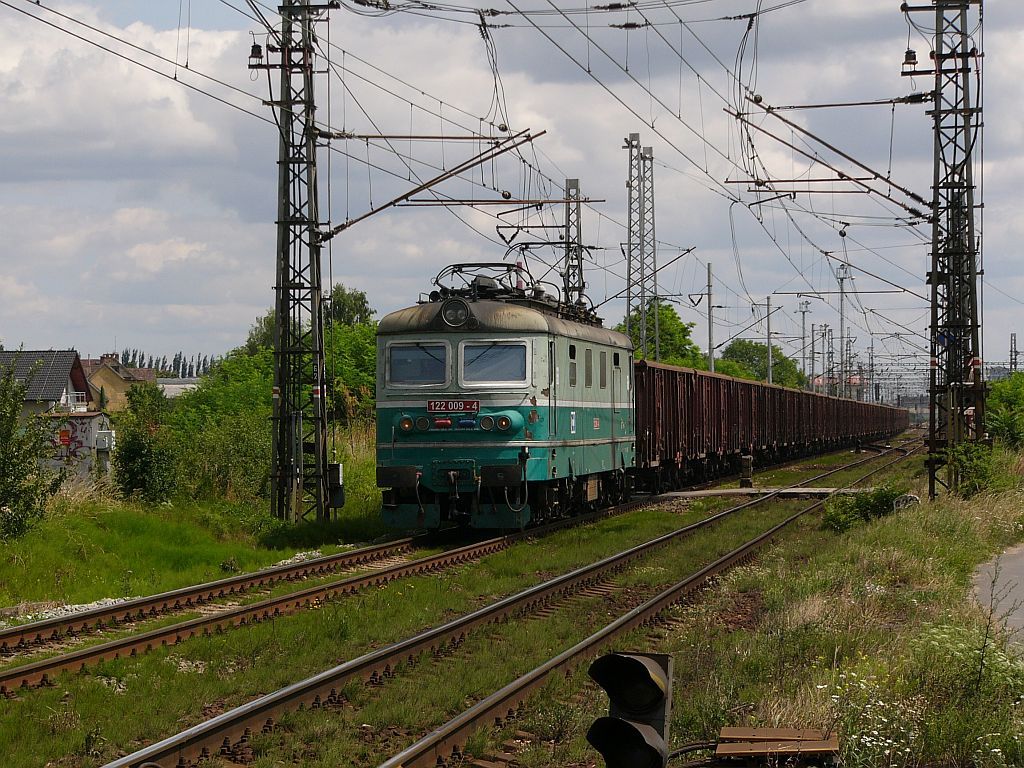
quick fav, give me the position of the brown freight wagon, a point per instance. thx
(693, 423)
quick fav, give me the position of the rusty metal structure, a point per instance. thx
(299, 470)
(641, 251)
(694, 423)
(956, 387)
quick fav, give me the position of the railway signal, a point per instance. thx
(635, 733)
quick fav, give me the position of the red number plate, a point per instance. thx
(453, 406)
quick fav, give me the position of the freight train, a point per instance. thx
(499, 406)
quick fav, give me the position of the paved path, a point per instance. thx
(1009, 588)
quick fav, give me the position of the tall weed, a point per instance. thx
(843, 512)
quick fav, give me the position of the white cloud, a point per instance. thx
(132, 206)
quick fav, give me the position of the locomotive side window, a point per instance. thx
(603, 372)
(615, 359)
(417, 364)
(572, 365)
(588, 367)
(494, 362)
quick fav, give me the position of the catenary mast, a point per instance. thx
(956, 388)
(299, 470)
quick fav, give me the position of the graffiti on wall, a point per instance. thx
(74, 441)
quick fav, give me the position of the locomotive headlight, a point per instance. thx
(405, 424)
(455, 312)
(487, 422)
(508, 422)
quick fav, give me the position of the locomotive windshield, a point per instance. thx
(418, 364)
(493, 362)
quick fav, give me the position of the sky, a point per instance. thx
(138, 191)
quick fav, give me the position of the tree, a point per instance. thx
(347, 307)
(733, 368)
(1004, 411)
(145, 458)
(26, 482)
(222, 430)
(677, 348)
(351, 366)
(752, 356)
(261, 334)
(343, 307)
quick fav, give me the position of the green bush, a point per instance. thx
(222, 431)
(843, 512)
(214, 443)
(144, 458)
(1006, 424)
(26, 482)
(1004, 418)
(974, 468)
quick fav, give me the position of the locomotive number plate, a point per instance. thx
(453, 406)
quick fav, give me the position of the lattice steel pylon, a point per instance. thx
(956, 388)
(572, 273)
(641, 251)
(1013, 353)
(298, 479)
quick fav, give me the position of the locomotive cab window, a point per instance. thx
(572, 365)
(417, 365)
(494, 362)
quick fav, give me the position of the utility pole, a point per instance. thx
(711, 327)
(768, 319)
(805, 307)
(641, 254)
(831, 360)
(1013, 353)
(842, 274)
(574, 285)
(956, 389)
(871, 370)
(847, 358)
(813, 355)
(299, 470)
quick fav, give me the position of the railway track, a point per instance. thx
(18, 638)
(43, 671)
(23, 637)
(442, 743)
(228, 734)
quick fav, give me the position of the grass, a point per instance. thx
(125, 701)
(377, 722)
(869, 633)
(822, 626)
(92, 545)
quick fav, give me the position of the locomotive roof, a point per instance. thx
(496, 316)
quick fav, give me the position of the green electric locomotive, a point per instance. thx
(498, 406)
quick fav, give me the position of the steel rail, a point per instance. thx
(231, 730)
(21, 636)
(436, 747)
(43, 671)
(449, 738)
